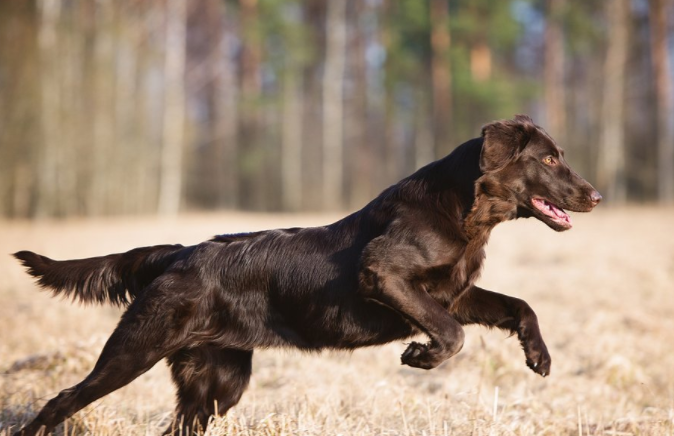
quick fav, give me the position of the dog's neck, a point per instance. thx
(485, 213)
(484, 201)
(493, 204)
(460, 188)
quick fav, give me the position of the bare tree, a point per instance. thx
(170, 186)
(333, 113)
(611, 165)
(663, 97)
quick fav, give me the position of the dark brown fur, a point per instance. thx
(404, 264)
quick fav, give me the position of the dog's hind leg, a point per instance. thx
(207, 377)
(130, 351)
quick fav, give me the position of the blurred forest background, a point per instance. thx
(158, 106)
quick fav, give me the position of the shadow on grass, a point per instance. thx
(12, 418)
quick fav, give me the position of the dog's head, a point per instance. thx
(524, 167)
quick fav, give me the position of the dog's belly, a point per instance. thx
(349, 323)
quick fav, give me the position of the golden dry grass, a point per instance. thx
(604, 293)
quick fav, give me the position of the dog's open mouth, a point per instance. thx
(554, 213)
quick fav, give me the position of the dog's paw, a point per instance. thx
(538, 358)
(419, 356)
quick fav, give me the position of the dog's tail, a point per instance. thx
(115, 279)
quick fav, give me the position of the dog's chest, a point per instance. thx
(449, 279)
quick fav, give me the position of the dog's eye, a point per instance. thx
(549, 160)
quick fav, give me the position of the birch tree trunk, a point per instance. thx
(333, 116)
(173, 123)
(611, 168)
(663, 96)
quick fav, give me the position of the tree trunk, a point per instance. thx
(663, 95)
(359, 149)
(388, 171)
(145, 165)
(252, 177)
(333, 114)
(127, 31)
(480, 60)
(554, 64)
(70, 111)
(47, 201)
(423, 134)
(19, 106)
(441, 77)
(173, 123)
(313, 13)
(103, 116)
(225, 129)
(214, 81)
(611, 169)
(291, 141)
(142, 165)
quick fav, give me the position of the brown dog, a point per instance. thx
(404, 264)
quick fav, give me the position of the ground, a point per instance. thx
(603, 291)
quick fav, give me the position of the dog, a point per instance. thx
(403, 265)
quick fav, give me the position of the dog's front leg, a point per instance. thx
(479, 306)
(420, 309)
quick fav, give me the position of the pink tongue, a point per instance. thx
(552, 208)
(560, 214)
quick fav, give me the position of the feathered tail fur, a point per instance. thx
(115, 279)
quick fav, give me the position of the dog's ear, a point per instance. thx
(503, 140)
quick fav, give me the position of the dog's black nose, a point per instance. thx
(595, 198)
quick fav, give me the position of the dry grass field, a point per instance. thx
(604, 293)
